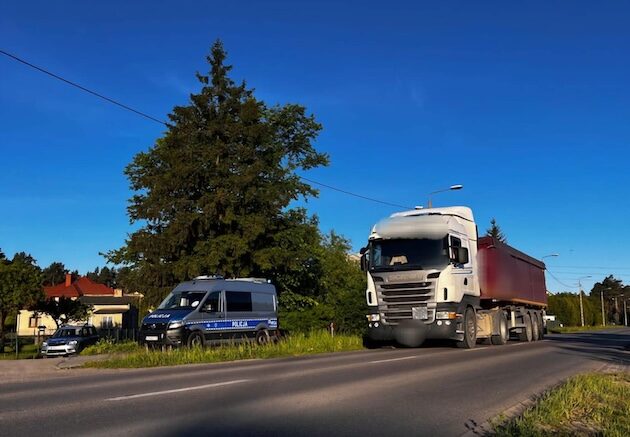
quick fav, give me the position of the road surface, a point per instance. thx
(436, 390)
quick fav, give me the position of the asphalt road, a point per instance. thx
(435, 390)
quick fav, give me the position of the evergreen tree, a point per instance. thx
(495, 231)
(214, 192)
(54, 274)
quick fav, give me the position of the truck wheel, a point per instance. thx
(469, 326)
(535, 327)
(195, 339)
(541, 328)
(262, 336)
(526, 334)
(368, 343)
(504, 334)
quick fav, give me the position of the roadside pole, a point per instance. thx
(17, 329)
(601, 294)
(581, 307)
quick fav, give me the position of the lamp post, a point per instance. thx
(601, 295)
(625, 311)
(451, 188)
(581, 304)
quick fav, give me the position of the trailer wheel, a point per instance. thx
(535, 327)
(470, 330)
(504, 334)
(541, 328)
(195, 339)
(526, 332)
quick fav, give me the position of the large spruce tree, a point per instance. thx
(213, 194)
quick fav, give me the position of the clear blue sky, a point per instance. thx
(526, 105)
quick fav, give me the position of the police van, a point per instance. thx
(212, 310)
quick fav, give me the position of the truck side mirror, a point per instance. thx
(363, 262)
(462, 255)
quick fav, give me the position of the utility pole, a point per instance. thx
(581, 304)
(601, 294)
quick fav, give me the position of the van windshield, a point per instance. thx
(182, 299)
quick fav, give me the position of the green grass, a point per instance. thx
(294, 345)
(107, 346)
(572, 329)
(595, 404)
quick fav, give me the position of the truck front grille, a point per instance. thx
(399, 299)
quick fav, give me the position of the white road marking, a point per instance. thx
(178, 390)
(392, 359)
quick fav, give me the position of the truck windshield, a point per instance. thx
(408, 254)
(182, 299)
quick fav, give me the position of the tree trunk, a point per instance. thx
(3, 317)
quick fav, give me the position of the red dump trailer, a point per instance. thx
(507, 275)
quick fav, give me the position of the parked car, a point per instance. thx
(69, 340)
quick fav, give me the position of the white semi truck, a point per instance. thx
(429, 276)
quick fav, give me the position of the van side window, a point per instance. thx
(238, 301)
(262, 302)
(212, 302)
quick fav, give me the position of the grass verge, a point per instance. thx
(571, 329)
(594, 404)
(27, 351)
(294, 345)
(108, 346)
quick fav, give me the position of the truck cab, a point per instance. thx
(421, 273)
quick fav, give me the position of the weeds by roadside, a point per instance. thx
(108, 346)
(294, 345)
(590, 404)
(572, 329)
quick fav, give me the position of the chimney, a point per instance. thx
(68, 279)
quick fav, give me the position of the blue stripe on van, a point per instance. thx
(221, 325)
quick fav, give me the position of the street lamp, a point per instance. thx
(451, 188)
(581, 304)
(625, 311)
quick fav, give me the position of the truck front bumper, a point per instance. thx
(418, 330)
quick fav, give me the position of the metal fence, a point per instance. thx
(118, 334)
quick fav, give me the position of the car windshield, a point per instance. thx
(182, 299)
(66, 332)
(408, 254)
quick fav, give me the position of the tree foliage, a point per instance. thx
(105, 275)
(20, 286)
(54, 274)
(611, 289)
(63, 310)
(213, 193)
(495, 231)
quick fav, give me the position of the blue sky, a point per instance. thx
(526, 105)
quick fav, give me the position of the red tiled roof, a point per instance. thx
(81, 287)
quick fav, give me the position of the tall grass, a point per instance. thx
(591, 404)
(108, 346)
(294, 345)
(572, 329)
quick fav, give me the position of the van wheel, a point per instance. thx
(195, 339)
(502, 337)
(470, 330)
(262, 336)
(526, 332)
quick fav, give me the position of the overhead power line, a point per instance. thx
(559, 281)
(162, 122)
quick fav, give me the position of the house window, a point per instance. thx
(33, 322)
(107, 322)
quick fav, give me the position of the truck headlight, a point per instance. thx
(445, 315)
(373, 317)
(175, 324)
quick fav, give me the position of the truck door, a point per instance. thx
(463, 272)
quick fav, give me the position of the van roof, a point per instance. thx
(218, 284)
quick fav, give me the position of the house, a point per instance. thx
(109, 308)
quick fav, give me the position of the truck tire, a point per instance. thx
(502, 337)
(469, 325)
(526, 334)
(535, 327)
(541, 327)
(369, 343)
(195, 339)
